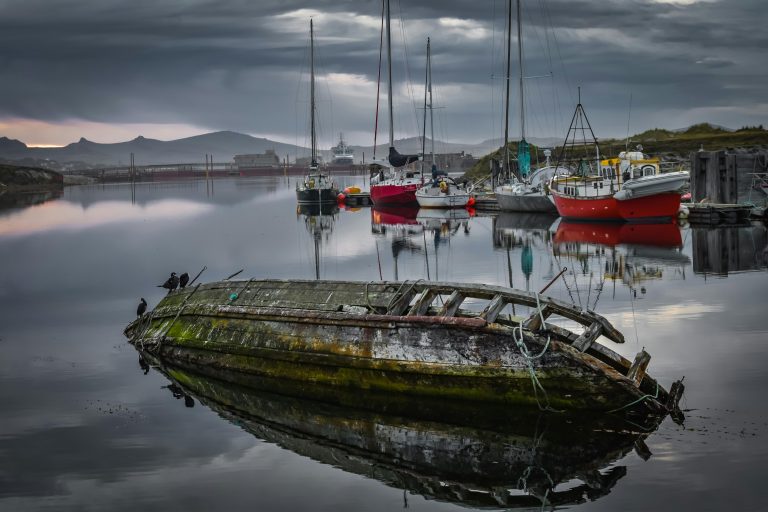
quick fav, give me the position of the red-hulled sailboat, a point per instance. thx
(394, 185)
(599, 190)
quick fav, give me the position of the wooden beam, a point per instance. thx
(589, 336)
(451, 306)
(494, 308)
(401, 304)
(637, 370)
(533, 322)
(423, 301)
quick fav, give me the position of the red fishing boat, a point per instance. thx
(618, 189)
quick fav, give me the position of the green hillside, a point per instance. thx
(666, 144)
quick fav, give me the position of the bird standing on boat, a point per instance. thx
(142, 307)
(171, 283)
(183, 280)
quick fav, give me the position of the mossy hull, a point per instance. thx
(395, 357)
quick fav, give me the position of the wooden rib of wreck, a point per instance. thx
(403, 337)
(450, 451)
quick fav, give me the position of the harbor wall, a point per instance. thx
(729, 178)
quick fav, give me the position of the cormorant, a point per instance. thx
(171, 283)
(183, 280)
(142, 307)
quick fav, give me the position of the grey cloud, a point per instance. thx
(235, 66)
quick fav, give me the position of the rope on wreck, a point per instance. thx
(635, 402)
(529, 358)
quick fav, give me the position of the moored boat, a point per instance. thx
(442, 192)
(316, 186)
(396, 186)
(403, 337)
(613, 190)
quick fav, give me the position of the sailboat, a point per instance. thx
(316, 186)
(394, 185)
(441, 191)
(527, 192)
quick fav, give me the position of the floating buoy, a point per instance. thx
(352, 190)
(341, 197)
(471, 201)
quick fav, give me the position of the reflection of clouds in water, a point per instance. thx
(672, 313)
(66, 215)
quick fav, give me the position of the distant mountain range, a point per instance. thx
(222, 145)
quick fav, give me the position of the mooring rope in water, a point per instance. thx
(642, 398)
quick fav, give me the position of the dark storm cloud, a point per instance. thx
(237, 65)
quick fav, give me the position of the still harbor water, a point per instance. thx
(87, 425)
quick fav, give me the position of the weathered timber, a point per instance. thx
(590, 335)
(494, 308)
(423, 301)
(640, 364)
(451, 305)
(728, 177)
(388, 336)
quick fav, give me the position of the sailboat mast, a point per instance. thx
(431, 111)
(520, 59)
(312, 92)
(424, 121)
(506, 109)
(389, 80)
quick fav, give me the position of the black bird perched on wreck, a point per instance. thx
(142, 307)
(183, 280)
(171, 283)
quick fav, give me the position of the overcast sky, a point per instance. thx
(110, 70)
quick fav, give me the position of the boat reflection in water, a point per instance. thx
(409, 227)
(319, 219)
(628, 253)
(472, 455)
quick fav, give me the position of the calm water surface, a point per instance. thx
(85, 427)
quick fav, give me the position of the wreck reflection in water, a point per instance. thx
(471, 456)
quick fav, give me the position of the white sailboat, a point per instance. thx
(529, 191)
(441, 191)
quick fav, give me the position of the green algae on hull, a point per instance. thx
(389, 337)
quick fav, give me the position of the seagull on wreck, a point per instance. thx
(171, 283)
(142, 307)
(183, 280)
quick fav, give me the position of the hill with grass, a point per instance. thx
(670, 145)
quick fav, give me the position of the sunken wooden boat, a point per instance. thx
(440, 340)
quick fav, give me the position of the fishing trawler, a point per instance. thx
(342, 154)
(614, 190)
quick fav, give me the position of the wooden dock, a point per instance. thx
(359, 199)
(714, 213)
(487, 203)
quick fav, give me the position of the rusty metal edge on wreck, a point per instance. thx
(409, 337)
